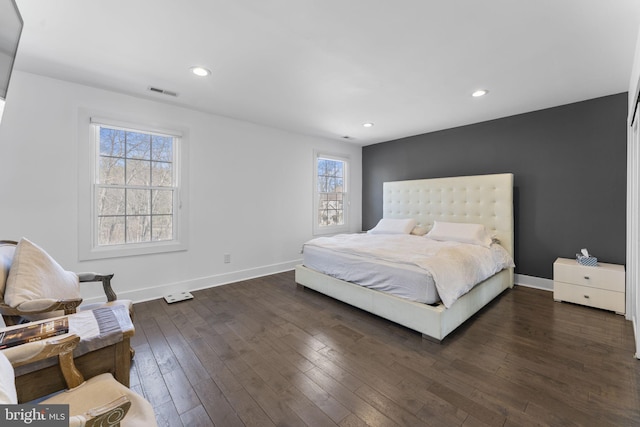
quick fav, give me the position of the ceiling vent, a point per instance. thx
(162, 91)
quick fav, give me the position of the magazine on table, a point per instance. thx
(34, 332)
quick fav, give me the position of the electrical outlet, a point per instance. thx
(227, 258)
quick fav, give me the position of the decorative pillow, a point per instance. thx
(476, 234)
(36, 281)
(8, 394)
(6, 256)
(419, 230)
(393, 226)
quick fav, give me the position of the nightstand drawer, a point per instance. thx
(592, 297)
(605, 276)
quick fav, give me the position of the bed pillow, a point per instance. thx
(475, 234)
(36, 281)
(393, 226)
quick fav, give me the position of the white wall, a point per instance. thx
(250, 188)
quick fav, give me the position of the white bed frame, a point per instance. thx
(480, 199)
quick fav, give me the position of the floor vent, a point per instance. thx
(177, 297)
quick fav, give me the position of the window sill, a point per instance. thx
(330, 230)
(116, 251)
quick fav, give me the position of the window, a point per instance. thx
(134, 202)
(331, 197)
(134, 194)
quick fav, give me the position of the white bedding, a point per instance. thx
(455, 267)
(403, 280)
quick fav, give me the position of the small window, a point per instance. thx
(331, 199)
(135, 192)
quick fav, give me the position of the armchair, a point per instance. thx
(99, 401)
(50, 290)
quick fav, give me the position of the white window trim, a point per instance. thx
(88, 163)
(333, 229)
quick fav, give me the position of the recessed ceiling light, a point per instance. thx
(480, 92)
(200, 71)
(367, 125)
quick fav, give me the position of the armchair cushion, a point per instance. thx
(104, 388)
(36, 280)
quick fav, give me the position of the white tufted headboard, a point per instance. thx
(480, 199)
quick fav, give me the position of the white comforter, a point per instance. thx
(455, 267)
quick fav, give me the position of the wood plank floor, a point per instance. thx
(265, 352)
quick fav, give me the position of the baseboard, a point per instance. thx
(635, 334)
(533, 282)
(156, 292)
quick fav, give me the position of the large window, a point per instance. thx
(134, 202)
(331, 196)
(135, 186)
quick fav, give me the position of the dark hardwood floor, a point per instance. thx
(265, 352)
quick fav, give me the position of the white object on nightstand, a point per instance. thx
(602, 286)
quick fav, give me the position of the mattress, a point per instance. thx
(453, 267)
(404, 280)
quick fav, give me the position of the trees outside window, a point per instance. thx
(135, 186)
(331, 196)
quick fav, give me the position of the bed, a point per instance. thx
(480, 199)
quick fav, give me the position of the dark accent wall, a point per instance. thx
(569, 165)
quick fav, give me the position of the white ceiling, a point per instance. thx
(325, 67)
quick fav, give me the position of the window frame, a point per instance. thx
(89, 158)
(331, 229)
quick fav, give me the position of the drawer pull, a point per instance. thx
(587, 277)
(586, 296)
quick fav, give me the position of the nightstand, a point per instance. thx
(602, 286)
